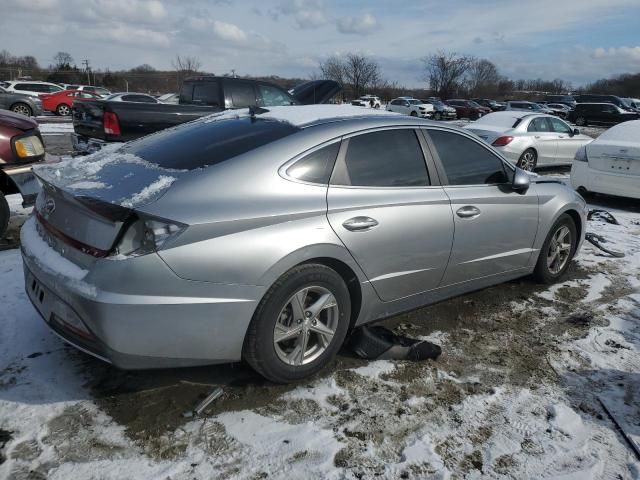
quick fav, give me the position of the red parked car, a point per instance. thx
(468, 109)
(61, 102)
(20, 147)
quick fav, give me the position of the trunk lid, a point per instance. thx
(488, 133)
(86, 201)
(617, 150)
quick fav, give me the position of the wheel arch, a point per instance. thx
(18, 102)
(7, 185)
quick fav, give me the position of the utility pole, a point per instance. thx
(85, 62)
(233, 72)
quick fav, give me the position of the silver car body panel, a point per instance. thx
(247, 223)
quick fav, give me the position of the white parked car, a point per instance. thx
(411, 106)
(367, 101)
(32, 88)
(611, 163)
(530, 139)
(173, 98)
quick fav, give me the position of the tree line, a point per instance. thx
(443, 74)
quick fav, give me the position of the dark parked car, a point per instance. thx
(593, 98)
(468, 109)
(568, 100)
(600, 114)
(20, 147)
(492, 104)
(99, 121)
(441, 111)
(20, 103)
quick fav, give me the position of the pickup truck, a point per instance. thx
(97, 122)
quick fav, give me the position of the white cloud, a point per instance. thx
(306, 13)
(228, 32)
(126, 35)
(360, 25)
(631, 53)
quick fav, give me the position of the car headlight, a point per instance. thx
(27, 147)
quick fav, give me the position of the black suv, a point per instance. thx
(593, 98)
(568, 100)
(600, 114)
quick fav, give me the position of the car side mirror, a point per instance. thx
(576, 131)
(521, 181)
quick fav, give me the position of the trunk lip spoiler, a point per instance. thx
(83, 247)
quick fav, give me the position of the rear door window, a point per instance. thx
(388, 158)
(539, 124)
(239, 94)
(465, 161)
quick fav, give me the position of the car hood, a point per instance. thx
(316, 91)
(16, 120)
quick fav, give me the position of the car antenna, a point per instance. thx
(254, 110)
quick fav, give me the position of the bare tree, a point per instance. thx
(62, 61)
(361, 72)
(444, 71)
(482, 78)
(186, 64)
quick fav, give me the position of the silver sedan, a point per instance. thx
(530, 140)
(266, 235)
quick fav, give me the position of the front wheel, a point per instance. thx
(528, 160)
(4, 215)
(413, 114)
(557, 250)
(581, 121)
(299, 325)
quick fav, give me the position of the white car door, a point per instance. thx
(568, 142)
(545, 141)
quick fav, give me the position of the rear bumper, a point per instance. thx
(136, 313)
(602, 182)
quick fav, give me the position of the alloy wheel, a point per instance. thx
(22, 109)
(63, 110)
(528, 161)
(559, 250)
(306, 325)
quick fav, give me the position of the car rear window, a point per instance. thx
(204, 143)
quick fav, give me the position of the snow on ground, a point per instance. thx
(56, 128)
(516, 394)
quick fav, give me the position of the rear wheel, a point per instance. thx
(528, 160)
(581, 121)
(413, 114)
(299, 325)
(63, 110)
(22, 109)
(4, 215)
(438, 116)
(557, 250)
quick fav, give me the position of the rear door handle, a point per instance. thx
(536, 136)
(360, 224)
(468, 212)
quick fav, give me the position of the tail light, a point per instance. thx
(581, 154)
(111, 124)
(147, 235)
(502, 141)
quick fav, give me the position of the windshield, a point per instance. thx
(474, 104)
(436, 103)
(505, 120)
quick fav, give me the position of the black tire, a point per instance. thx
(437, 116)
(5, 213)
(63, 110)
(259, 350)
(528, 160)
(581, 121)
(542, 273)
(413, 114)
(22, 108)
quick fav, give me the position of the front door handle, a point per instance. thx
(468, 212)
(360, 224)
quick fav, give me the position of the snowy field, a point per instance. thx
(516, 394)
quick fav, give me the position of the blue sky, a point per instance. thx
(576, 40)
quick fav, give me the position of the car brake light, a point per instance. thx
(502, 141)
(111, 124)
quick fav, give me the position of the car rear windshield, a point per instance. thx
(204, 143)
(499, 119)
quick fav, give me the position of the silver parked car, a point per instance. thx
(530, 140)
(266, 235)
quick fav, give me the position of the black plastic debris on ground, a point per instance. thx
(380, 343)
(5, 437)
